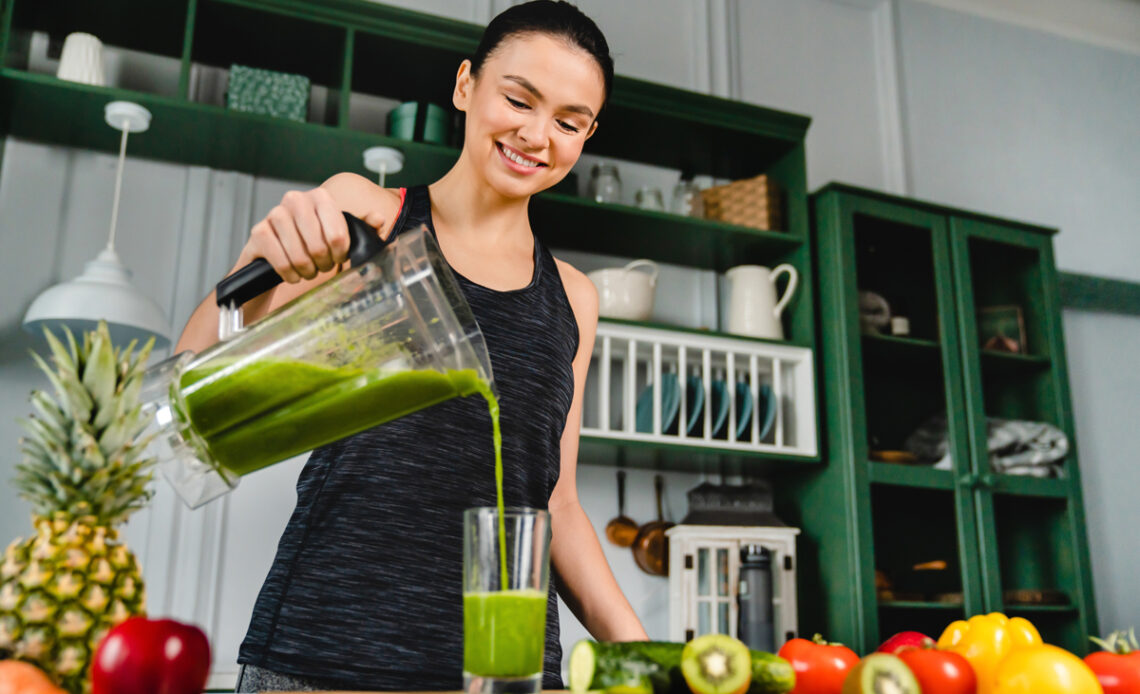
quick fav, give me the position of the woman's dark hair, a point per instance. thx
(551, 17)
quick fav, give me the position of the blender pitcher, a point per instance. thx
(390, 336)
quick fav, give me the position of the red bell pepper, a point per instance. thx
(145, 656)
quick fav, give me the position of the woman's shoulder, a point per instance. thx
(362, 198)
(580, 291)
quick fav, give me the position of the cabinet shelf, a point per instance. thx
(1017, 485)
(906, 475)
(1042, 609)
(900, 343)
(48, 109)
(917, 605)
(1008, 359)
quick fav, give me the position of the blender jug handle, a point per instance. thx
(259, 276)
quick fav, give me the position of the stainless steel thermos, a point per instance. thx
(756, 627)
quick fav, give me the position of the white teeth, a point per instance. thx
(517, 159)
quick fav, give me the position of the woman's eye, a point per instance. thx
(568, 127)
(517, 104)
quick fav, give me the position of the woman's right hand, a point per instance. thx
(304, 235)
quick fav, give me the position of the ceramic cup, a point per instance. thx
(82, 60)
(624, 292)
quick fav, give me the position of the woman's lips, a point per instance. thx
(514, 165)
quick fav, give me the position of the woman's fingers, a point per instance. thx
(333, 225)
(303, 209)
(281, 220)
(265, 244)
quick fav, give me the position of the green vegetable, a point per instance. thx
(601, 665)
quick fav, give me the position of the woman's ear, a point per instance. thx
(464, 85)
(593, 129)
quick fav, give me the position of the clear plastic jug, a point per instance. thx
(390, 336)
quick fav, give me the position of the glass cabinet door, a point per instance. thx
(1034, 554)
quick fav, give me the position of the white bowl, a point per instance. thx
(624, 292)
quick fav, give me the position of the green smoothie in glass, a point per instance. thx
(504, 633)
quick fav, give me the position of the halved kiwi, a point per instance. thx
(716, 664)
(881, 673)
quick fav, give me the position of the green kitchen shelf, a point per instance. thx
(907, 475)
(917, 605)
(993, 358)
(1018, 485)
(605, 451)
(1042, 609)
(48, 109)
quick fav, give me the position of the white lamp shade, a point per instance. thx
(103, 292)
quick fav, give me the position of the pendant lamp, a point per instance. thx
(104, 290)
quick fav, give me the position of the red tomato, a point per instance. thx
(143, 656)
(905, 639)
(1118, 673)
(940, 672)
(820, 667)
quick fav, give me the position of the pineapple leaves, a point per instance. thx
(84, 449)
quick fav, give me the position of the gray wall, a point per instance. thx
(904, 97)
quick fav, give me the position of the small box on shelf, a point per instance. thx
(267, 92)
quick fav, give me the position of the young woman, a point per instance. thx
(365, 590)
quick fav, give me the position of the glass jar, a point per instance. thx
(605, 185)
(648, 198)
(687, 199)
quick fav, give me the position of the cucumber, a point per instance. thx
(603, 665)
(771, 674)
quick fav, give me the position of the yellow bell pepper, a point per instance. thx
(985, 640)
(1044, 669)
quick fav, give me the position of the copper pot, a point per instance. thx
(651, 547)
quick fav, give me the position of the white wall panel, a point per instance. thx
(819, 58)
(1027, 125)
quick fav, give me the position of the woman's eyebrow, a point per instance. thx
(526, 84)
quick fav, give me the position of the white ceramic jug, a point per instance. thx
(753, 309)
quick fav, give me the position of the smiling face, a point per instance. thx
(529, 112)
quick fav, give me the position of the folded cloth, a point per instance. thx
(1016, 447)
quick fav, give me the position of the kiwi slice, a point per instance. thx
(716, 664)
(881, 673)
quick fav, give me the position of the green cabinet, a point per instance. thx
(926, 545)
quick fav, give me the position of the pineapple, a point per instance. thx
(84, 472)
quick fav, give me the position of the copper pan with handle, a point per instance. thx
(651, 547)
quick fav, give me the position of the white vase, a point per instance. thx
(82, 60)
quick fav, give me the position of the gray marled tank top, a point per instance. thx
(365, 589)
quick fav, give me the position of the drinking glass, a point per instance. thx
(505, 581)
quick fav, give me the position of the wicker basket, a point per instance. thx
(752, 202)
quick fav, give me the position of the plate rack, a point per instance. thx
(662, 386)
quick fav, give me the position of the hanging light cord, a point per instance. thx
(118, 187)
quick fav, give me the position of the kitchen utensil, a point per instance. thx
(753, 308)
(650, 547)
(605, 184)
(670, 394)
(504, 617)
(390, 336)
(625, 293)
(621, 530)
(81, 59)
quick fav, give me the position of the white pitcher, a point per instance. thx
(753, 309)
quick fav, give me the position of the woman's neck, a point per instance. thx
(467, 207)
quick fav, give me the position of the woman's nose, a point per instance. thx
(534, 132)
